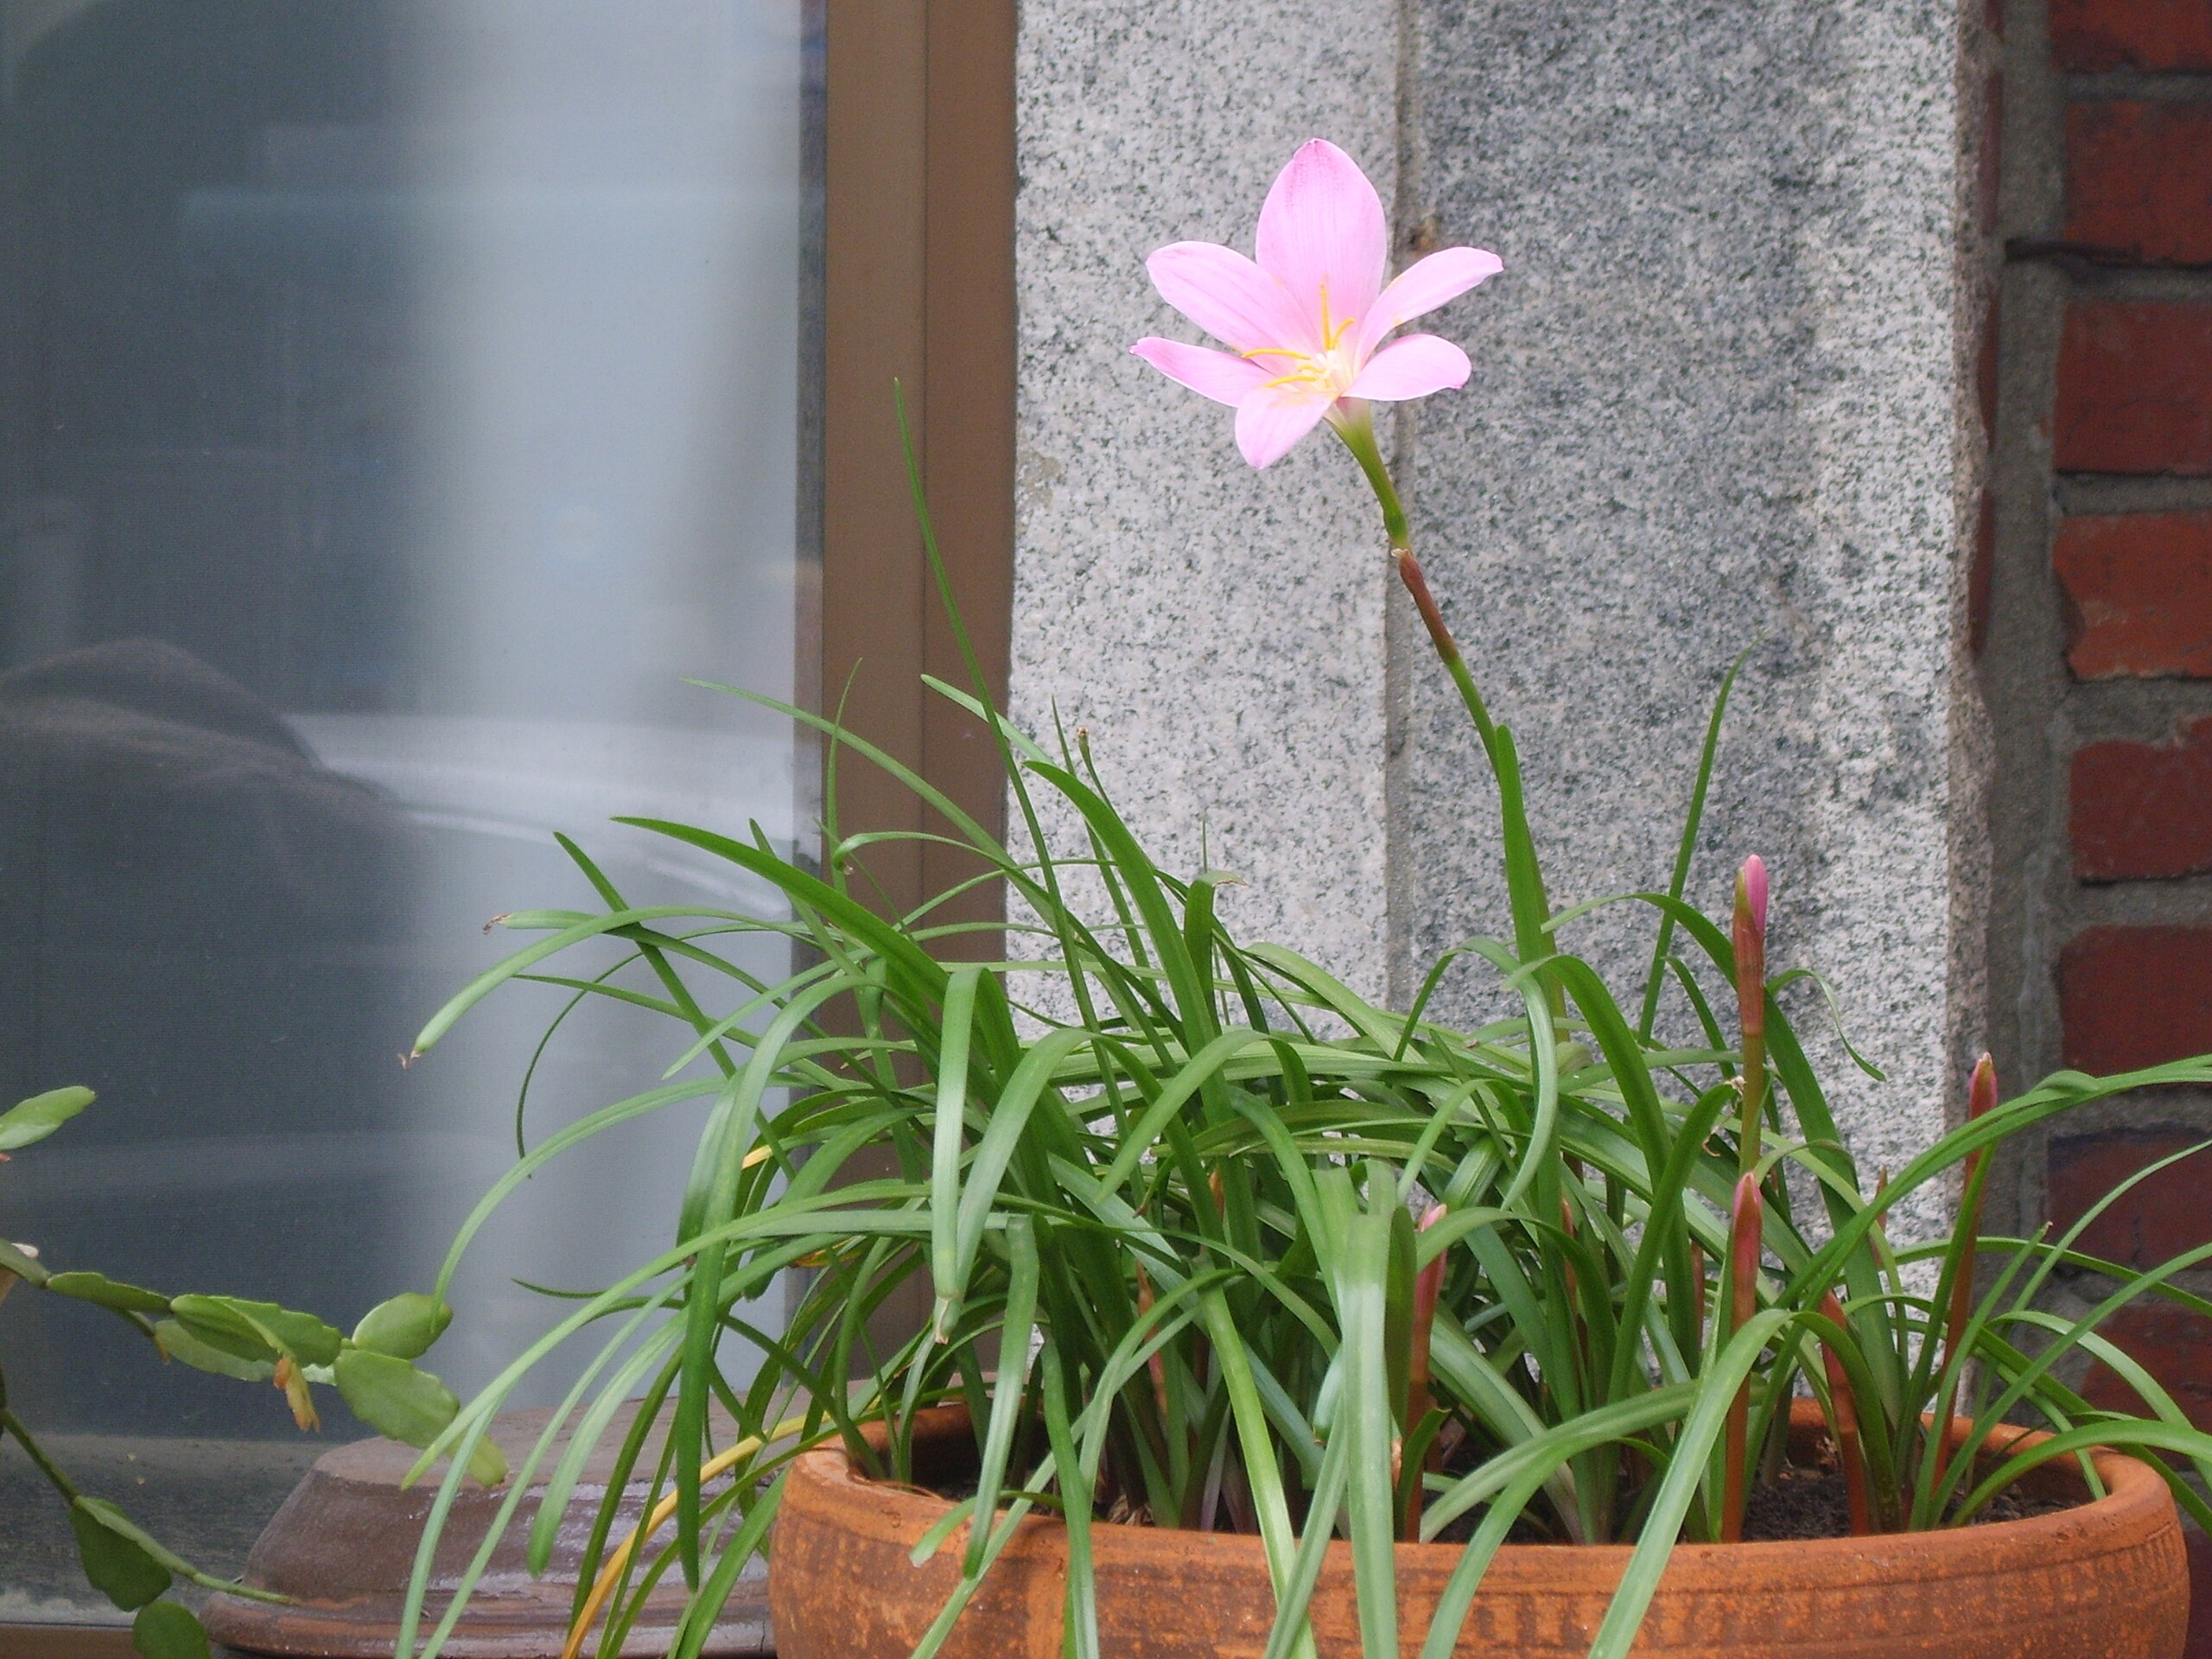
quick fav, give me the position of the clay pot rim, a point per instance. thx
(2136, 1504)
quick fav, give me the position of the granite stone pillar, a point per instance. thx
(1717, 405)
(1218, 631)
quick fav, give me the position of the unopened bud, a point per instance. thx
(1749, 940)
(1981, 1093)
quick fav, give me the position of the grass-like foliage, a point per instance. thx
(1213, 1241)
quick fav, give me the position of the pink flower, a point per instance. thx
(1306, 323)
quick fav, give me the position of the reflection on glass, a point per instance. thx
(403, 398)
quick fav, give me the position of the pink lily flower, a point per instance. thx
(1306, 323)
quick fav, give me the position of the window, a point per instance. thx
(402, 399)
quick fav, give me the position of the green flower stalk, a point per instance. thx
(1844, 1404)
(1531, 908)
(1981, 1097)
(1429, 1284)
(1747, 1216)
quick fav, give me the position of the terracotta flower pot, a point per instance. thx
(2101, 1580)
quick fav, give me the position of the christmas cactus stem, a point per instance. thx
(1845, 1404)
(1981, 1095)
(1750, 943)
(1745, 1222)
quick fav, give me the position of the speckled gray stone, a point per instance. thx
(1219, 632)
(1716, 397)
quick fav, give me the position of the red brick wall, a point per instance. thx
(2104, 35)
(2100, 659)
(2132, 403)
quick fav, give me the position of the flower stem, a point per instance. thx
(1845, 1404)
(1981, 1097)
(1745, 1222)
(1429, 1284)
(1749, 941)
(1357, 431)
(1524, 880)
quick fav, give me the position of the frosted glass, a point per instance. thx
(403, 401)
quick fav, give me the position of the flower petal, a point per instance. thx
(1218, 375)
(1322, 232)
(1423, 286)
(1229, 297)
(1412, 367)
(1274, 418)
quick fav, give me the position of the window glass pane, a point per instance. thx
(401, 401)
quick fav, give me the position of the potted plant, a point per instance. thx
(1265, 1319)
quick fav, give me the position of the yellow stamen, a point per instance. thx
(1320, 368)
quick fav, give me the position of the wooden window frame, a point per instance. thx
(918, 176)
(919, 281)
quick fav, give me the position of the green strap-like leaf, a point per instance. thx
(947, 1140)
(1010, 1387)
(1685, 1470)
(1010, 1113)
(1078, 1494)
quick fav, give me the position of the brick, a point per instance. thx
(2176, 1347)
(2135, 996)
(2142, 811)
(2094, 35)
(2134, 389)
(2153, 1221)
(2139, 181)
(2171, 1343)
(2138, 591)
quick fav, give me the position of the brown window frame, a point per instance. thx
(919, 286)
(919, 277)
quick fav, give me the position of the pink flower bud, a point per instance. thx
(1748, 939)
(1746, 1217)
(1751, 895)
(1981, 1093)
